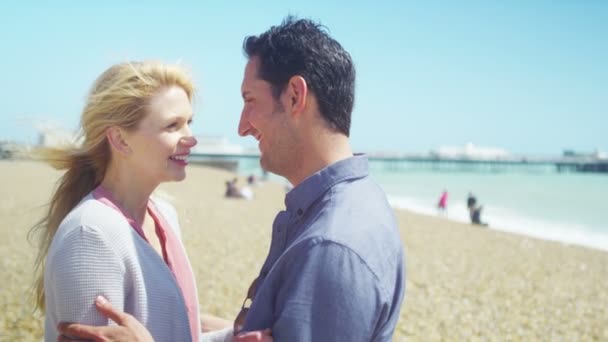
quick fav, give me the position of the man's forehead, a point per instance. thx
(251, 81)
(251, 69)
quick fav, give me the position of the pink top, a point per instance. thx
(173, 251)
(443, 201)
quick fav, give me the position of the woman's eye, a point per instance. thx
(173, 125)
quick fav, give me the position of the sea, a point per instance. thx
(535, 201)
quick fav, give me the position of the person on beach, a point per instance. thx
(103, 233)
(474, 210)
(234, 191)
(442, 205)
(475, 213)
(231, 190)
(335, 270)
(471, 200)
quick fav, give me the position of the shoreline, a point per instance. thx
(518, 225)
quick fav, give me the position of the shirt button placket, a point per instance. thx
(283, 235)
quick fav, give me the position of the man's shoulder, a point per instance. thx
(381, 253)
(357, 216)
(363, 194)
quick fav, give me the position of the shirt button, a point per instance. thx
(300, 212)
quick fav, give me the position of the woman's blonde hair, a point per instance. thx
(118, 98)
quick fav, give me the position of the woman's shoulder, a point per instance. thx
(92, 224)
(94, 217)
(89, 239)
(92, 212)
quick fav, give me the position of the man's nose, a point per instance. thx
(244, 125)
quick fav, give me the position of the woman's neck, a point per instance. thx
(130, 193)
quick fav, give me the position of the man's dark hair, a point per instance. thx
(302, 47)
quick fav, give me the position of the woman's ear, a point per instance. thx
(117, 141)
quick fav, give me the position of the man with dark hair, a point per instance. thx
(301, 47)
(471, 201)
(335, 269)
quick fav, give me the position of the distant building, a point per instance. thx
(55, 137)
(216, 145)
(600, 154)
(470, 151)
(209, 145)
(597, 154)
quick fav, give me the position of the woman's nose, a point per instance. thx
(189, 141)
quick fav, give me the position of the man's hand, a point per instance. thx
(129, 329)
(212, 323)
(254, 336)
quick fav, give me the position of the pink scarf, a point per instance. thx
(174, 255)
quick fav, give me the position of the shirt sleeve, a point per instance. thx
(82, 266)
(328, 294)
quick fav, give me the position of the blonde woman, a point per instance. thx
(103, 233)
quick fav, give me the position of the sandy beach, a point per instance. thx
(463, 282)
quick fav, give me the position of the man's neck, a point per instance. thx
(327, 149)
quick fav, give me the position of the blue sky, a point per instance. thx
(527, 76)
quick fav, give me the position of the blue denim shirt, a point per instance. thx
(335, 270)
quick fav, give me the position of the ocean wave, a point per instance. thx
(509, 220)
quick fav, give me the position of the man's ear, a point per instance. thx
(297, 92)
(117, 141)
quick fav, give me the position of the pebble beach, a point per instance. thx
(463, 282)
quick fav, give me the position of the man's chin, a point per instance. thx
(266, 166)
(263, 163)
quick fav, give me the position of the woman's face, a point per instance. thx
(161, 143)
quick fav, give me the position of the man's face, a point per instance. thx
(266, 120)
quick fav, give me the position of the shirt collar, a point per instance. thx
(302, 196)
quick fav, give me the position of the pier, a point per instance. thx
(559, 164)
(438, 163)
